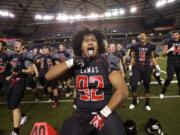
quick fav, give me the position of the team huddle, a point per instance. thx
(100, 72)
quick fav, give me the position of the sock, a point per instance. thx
(159, 80)
(16, 130)
(147, 101)
(51, 95)
(36, 95)
(45, 91)
(68, 90)
(23, 114)
(134, 100)
(164, 89)
(56, 99)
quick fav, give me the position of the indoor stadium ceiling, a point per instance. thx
(25, 11)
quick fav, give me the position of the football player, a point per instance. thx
(95, 76)
(61, 56)
(44, 63)
(4, 64)
(113, 51)
(20, 67)
(171, 49)
(141, 54)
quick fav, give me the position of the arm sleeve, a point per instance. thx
(113, 63)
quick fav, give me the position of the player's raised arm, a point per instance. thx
(60, 69)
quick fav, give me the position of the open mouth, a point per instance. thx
(90, 51)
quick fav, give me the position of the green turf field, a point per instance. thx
(166, 111)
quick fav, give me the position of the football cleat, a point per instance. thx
(50, 100)
(68, 94)
(36, 99)
(74, 106)
(13, 133)
(137, 101)
(161, 96)
(23, 120)
(55, 105)
(131, 106)
(148, 108)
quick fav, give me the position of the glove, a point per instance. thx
(77, 61)
(99, 118)
(98, 121)
(80, 61)
(171, 49)
(158, 70)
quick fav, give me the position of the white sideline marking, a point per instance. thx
(161, 58)
(165, 72)
(70, 101)
(155, 82)
(162, 79)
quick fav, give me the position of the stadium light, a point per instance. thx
(107, 14)
(44, 17)
(115, 12)
(71, 17)
(62, 17)
(170, 1)
(133, 9)
(161, 3)
(4, 13)
(78, 17)
(121, 11)
(38, 17)
(48, 17)
(92, 16)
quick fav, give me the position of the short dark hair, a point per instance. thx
(3, 42)
(78, 38)
(47, 47)
(174, 31)
(23, 43)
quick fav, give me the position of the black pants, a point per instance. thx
(79, 124)
(15, 92)
(30, 81)
(171, 69)
(2, 84)
(46, 84)
(140, 73)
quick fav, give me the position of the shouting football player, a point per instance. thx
(95, 76)
(141, 54)
(171, 49)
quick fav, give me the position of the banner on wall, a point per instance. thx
(9, 41)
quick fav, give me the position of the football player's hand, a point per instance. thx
(79, 61)
(171, 49)
(98, 121)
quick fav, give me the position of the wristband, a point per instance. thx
(69, 63)
(106, 111)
